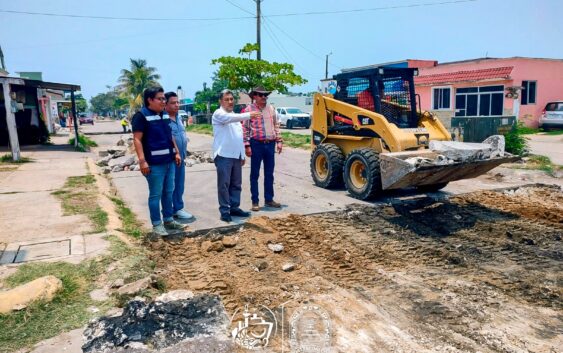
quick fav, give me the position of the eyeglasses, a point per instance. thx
(162, 99)
(262, 95)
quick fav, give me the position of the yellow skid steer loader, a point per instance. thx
(370, 136)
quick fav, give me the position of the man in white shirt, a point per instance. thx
(229, 156)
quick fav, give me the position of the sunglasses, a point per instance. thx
(262, 94)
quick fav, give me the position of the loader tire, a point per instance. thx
(362, 175)
(432, 187)
(327, 161)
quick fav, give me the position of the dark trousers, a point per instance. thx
(262, 152)
(229, 183)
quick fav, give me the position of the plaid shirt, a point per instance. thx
(265, 128)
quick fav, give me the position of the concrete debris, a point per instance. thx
(123, 162)
(277, 248)
(44, 288)
(103, 162)
(158, 325)
(423, 161)
(288, 267)
(180, 294)
(462, 151)
(497, 143)
(115, 149)
(135, 287)
(194, 158)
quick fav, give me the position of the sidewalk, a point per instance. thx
(33, 225)
(547, 145)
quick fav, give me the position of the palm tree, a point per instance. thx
(133, 82)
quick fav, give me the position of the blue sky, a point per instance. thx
(91, 52)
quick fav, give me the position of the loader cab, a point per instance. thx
(387, 91)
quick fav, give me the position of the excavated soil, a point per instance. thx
(480, 272)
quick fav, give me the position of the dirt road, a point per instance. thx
(479, 272)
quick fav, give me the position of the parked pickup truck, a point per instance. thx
(293, 117)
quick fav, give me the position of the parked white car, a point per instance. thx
(552, 116)
(293, 117)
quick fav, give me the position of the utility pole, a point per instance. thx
(326, 65)
(258, 15)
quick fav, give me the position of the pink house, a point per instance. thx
(489, 87)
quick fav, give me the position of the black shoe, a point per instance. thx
(239, 213)
(226, 218)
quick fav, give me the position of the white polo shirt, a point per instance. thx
(227, 133)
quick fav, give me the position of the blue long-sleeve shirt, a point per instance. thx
(179, 133)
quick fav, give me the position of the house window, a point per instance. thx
(528, 92)
(441, 98)
(479, 101)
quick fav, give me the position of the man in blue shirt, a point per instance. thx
(157, 153)
(179, 134)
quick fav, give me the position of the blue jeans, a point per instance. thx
(262, 152)
(229, 183)
(178, 195)
(161, 187)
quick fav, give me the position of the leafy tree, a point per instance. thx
(242, 73)
(204, 99)
(79, 100)
(81, 103)
(103, 103)
(134, 81)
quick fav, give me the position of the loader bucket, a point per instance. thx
(397, 173)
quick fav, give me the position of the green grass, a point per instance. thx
(205, 129)
(542, 163)
(296, 140)
(69, 309)
(537, 162)
(84, 143)
(524, 130)
(42, 320)
(8, 159)
(79, 195)
(554, 132)
(130, 224)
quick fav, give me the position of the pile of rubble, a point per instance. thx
(120, 157)
(450, 152)
(193, 158)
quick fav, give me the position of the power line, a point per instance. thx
(239, 7)
(301, 45)
(311, 13)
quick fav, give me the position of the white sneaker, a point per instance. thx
(183, 215)
(175, 225)
(160, 230)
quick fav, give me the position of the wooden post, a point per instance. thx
(11, 122)
(74, 118)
